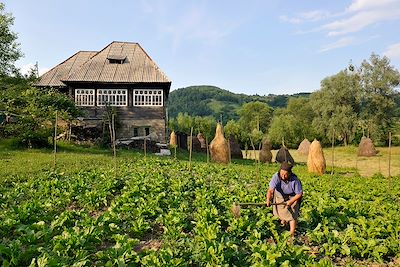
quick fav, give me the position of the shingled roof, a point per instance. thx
(53, 77)
(135, 67)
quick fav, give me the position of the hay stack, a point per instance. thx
(316, 160)
(172, 139)
(366, 148)
(219, 147)
(304, 147)
(265, 153)
(202, 140)
(283, 155)
(236, 152)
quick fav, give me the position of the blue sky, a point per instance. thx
(252, 47)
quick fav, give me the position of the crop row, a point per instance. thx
(157, 212)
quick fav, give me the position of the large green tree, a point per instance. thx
(9, 47)
(33, 110)
(292, 124)
(336, 106)
(255, 115)
(378, 82)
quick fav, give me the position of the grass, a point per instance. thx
(346, 157)
(34, 160)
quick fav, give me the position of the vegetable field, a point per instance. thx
(155, 212)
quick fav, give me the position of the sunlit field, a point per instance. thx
(346, 157)
(89, 210)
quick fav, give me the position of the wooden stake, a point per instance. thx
(333, 151)
(208, 153)
(229, 151)
(55, 141)
(113, 135)
(145, 146)
(113, 143)
(390, 151)
(190, 148)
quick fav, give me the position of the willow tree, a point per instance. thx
(378, 82)
(336, 106)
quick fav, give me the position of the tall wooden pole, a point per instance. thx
(333, 151)
(55, 140)
(113, 143)
(190, 148)
(390, 151)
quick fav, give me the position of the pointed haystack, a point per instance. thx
(265, 152)
(316, 160)
(202, 140)
(304, 147)
(284, 155)
(172, 139)
(366, 148)
(236, 152)
(219, 147)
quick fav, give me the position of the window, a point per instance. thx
(116, 59)
(135, 131)
(147, 131)
(147, 97)
(112, 97)
(84, 97)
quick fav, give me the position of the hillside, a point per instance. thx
(213, 101)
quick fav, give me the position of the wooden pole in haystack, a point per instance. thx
(190, 148)
(55, 141)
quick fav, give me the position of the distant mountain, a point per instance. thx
(208, 100)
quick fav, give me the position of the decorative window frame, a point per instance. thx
(148, 97)
(85, 97)
(112, 97)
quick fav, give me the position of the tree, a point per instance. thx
(378, 83)
(232, 128)
(9, 48)
(35, 111)
(206, 126)
(336, 106)
(285, 127)
(255, 115)
(293, 123)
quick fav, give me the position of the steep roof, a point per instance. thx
(53, 77)
(135, 67)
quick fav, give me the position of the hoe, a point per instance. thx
(236, 206)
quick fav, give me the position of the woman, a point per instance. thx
(285, 186)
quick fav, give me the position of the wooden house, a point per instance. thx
(122, 75)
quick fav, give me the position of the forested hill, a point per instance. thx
(213, 101)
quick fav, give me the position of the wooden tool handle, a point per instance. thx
(261, 204)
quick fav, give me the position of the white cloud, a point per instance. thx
(359, 5)
(285, 18)
(27, 67)
(356, 17)
(393, 51)
(313, 15)
(343, 42)
(360, 20)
